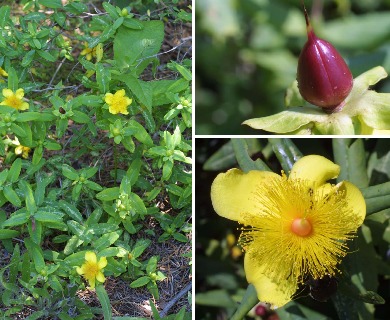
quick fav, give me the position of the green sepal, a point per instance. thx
(365, 112)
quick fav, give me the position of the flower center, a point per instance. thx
(13, 102)
(301, 227)
(91, 270)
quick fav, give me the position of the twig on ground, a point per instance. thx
(171, 303)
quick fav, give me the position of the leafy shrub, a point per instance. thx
(94, 132)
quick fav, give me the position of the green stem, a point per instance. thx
(248, 302)
(115, 163)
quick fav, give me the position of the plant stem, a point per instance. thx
(248, 302)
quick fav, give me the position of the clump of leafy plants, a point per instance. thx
(95, 146)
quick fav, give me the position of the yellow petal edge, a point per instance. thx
(232, 192)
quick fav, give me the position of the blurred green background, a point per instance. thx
(247, 53)
(219, 276)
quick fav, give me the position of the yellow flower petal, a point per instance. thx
(90, 256)
(314, 168)
(267, 291)
(7, 93)
(24, 106)
(108, 98)
(91, 282)
(102, 263)
(19, 93)
(80, 270)
(355, 200)
(100, 277)
(232, 193)
(120, 93)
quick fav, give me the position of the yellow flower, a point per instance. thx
(296, 227)
(92, 269)
(3, 73)
(117, 102)
(14, 99)
(21, 150)
(89, 53)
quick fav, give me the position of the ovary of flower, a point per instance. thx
(92, 269)
(295, 227)
(14, 99)
(118, 102)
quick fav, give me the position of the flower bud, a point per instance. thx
(324, 78)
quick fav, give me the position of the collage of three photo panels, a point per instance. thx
(292, 160)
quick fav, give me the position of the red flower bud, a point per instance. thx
(324, 78)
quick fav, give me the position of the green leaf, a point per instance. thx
(140, 133)
(140, 247)
(379, 162)
(104, 300)
(108, 194)
(77, 229)
(140, 89)
(18, 130)
(183, 71)
(350, 155)
(34, 116)
(71, 211)
(13, 81)
(93, 185)
(133, 172)
(152, 265)
(16, 220)
(28, 58)
(140, 282)
(152, 287)
(36, 254)
(80, 117)
(103, 77)
(69, 172)
(225, 158)
(46, 55)
(111, 10)
(106, 240)
(132, 23)
(54, 4)
(100, 228)
(145, 43)
(286, 152)
(4, 15)
(221, 298)
(167, 169)
(377, 204)
(358, 33)
(11, 196)
(180, 237)
(8, 234)
(376, 191)
(48, 217)
(29, 196)
(240, 148)
(37, 156)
